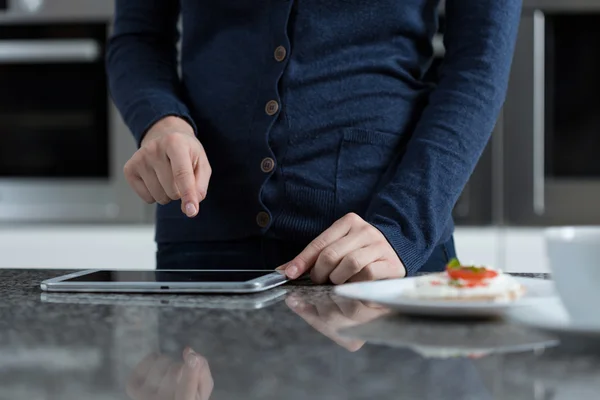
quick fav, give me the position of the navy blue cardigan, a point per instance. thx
(333, 92)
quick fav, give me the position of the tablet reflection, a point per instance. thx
(160, 377)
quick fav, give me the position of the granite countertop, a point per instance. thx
(298, 342)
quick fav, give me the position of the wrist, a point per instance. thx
(168, 124)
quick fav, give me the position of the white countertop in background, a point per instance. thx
(133, 247)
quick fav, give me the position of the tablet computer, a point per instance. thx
(166, 281)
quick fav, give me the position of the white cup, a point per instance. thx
(574, 255)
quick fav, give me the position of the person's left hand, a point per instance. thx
(350, 250)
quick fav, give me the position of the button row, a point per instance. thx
(268, 164)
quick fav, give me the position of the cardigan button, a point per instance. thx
(272, 107)
(267, 164)
(280, 53)
(263, 219)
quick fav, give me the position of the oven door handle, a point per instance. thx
(24, 51)
(539, 112)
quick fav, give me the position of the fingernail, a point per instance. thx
(292, 271)
(292, 302)
(192, 360)
(190, 210)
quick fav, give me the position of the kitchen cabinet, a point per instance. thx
(78, 246)
(510, 249)
(133, 247)
(524, 249)
(478, 245)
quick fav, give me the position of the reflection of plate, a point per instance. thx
(390, 294)
(450, 338)
(551, 316)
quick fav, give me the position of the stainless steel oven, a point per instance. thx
(552, 116)
(62, 142)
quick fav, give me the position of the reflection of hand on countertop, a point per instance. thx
(158, 377)
(328, 315)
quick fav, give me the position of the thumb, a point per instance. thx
(196, 380)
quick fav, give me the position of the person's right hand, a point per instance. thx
(170, 165)
(329, 314)
(158, 377)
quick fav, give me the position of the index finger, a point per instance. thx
(196, 379)
(183, 174)
(310, 314)
(308, 257)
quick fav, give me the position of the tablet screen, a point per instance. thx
(170, 276)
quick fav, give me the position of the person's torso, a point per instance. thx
(330, 90)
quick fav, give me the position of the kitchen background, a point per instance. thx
(64, 202)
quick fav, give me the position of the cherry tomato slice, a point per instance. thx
(471, 275)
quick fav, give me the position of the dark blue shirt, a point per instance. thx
(333, 92)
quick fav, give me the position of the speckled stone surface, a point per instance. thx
(121, 347)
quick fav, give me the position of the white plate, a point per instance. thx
(390, 294)
(551, 316)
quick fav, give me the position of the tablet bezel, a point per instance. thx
(61, 284)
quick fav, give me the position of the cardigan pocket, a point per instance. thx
(364, 158)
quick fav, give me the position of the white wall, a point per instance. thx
(132, 247)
